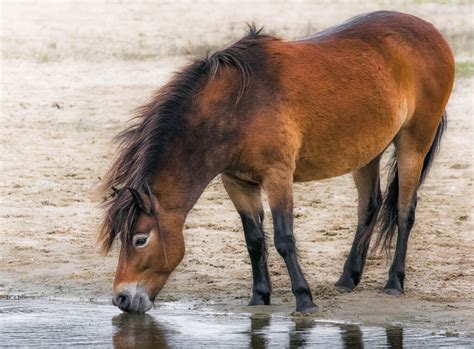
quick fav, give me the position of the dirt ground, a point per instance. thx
(72, 72)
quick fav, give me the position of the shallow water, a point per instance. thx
(40, 323)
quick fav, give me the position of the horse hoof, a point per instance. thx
(310, 310)
(256, 302)
(259, 301)
(306, 310)
(393, 292)
(345, 284)
(343, 289)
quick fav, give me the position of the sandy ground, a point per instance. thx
(72, 72)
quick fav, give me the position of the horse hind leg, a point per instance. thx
(415, 154)
(246, 198)
(409, 171)
(367, 180)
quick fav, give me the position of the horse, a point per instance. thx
(264, 113)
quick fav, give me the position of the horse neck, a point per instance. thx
(181, 181)
(204, 149)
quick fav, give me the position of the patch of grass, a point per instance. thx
(199, 50)
(464, 69)
(136, 55)
(48, 54)
(461, 41)
(44, 58)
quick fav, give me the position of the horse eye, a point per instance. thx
(140, 240)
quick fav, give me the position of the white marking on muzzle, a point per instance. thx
(139, 300)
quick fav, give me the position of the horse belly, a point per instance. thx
(344, 142)
(333, 163)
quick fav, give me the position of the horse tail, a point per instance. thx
(388, 217)
(434, 147)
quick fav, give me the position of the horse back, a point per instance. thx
(345, 93)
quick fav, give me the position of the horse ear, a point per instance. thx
(115, 191)
(152, 197)
(142, 201)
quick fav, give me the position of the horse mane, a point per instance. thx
(143, 145)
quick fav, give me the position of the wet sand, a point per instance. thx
(42, 324)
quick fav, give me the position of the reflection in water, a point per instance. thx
(143, 331)
(46, 324)
(257, 335)
(298, 335)
(394, 337)
(351, 336)
(138, 331)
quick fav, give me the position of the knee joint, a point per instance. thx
(256, 245)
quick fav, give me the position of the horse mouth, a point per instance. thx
(132, 299)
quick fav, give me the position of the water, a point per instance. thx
(38, 323)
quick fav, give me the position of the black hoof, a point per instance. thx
(307, 308)
(343, 289)
(306, 311)
(259, 300)
(394, 287)
(393, 292)
(345, 284)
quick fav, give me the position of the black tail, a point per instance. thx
(388, 217)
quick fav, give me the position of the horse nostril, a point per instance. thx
(122, 300)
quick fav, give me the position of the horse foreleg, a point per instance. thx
(367, 180)
(279, 188)
(246, 198)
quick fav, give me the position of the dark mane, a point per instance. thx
(143, 145)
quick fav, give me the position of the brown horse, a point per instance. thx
(264, 113)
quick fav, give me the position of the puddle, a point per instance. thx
(40, 323)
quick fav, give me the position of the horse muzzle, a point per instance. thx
(132, 299)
